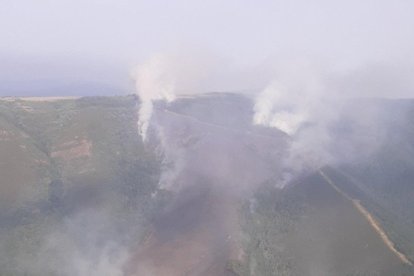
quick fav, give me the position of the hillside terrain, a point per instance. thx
(206, 194)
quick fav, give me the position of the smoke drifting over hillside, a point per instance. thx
(302, 100)
(163, 77)
(291, 99)
(155, 80)
(299, 103)
(214, 154)
(244, 100)
(326, 113)
(308, 101)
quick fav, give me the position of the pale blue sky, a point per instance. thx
(82, 36)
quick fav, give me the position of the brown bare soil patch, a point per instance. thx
(73, 149)
(196, 237)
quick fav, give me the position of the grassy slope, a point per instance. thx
(60, 157)
(384, 180)
(310, 229)
(289, 232)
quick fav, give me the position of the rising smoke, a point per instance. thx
(301, 100)
(298, 103)
(155, 80)
(164, 77)
(208, 164)
(304, 102)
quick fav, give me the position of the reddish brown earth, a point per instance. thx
(198, 235)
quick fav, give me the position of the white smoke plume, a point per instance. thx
(155, 80)
(164, 77)
(303, 102)
(274, 109)
(296, 102)
(291, 99)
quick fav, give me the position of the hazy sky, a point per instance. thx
(99, 40)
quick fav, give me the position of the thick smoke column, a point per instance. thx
(163, 77)
(154, 80)
(296, 103)
(313, 111)
(290, 100)
(274, 109)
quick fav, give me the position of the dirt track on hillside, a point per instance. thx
(371, 220)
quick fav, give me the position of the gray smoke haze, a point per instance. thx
(303, 65)
(208, 164)
(302, 98)
(310, 103)
(121, 34)
(81, 245)
(88, 242)
(304, 102)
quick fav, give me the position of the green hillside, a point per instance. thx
(81, 194)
